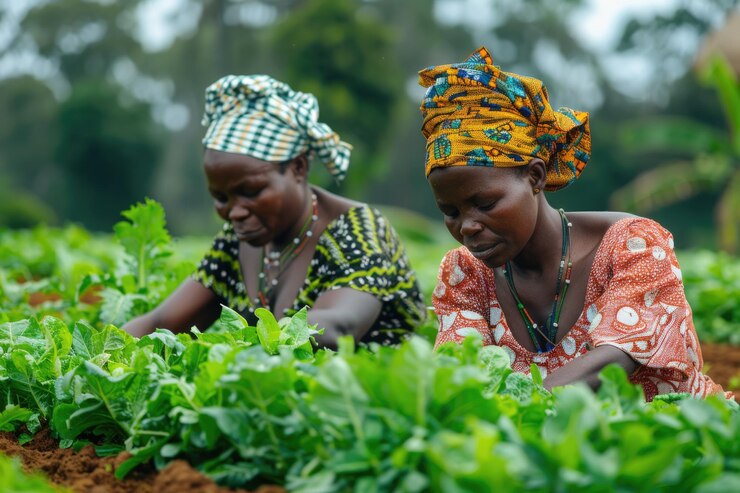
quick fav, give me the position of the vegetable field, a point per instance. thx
(256, 408)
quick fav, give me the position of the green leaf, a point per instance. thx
(728, 215)
(117, 307)
(12, 414)
(231, 319)
(144, 238)
(534, 370)
(721, 75)
(268, 330)
(725, 482)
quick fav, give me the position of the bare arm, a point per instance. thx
(190, 304)
(344, 311)
(586, 368)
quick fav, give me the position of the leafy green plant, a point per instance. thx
(142, 277)
(712, 289)
(252, 404)
(14, 480)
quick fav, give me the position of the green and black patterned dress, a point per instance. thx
(359, 250)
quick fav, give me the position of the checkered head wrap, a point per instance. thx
(264, 118)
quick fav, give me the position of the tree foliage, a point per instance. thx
(709, 160)
(106, 151)
(350, 66)
(360, 58)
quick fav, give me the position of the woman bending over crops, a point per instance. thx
(570, 292)
(287, 244)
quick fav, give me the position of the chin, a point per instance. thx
(494, 263)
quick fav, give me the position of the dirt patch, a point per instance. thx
(722, 363)
(84, 472)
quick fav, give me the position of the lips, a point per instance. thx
(482, 252)
(243, 234)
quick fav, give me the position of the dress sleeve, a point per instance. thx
(219, 269)
(363, 252)
(643, 309)
(459, 299)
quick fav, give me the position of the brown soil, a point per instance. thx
(91, 296)
(85, 472)
(35, 299)
(722, 364)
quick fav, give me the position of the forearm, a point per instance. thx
(333, 328)
(141, 325)
(586, 368)
(343, 312)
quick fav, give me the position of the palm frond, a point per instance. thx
(675, 135)
(719, 74)
(728, 215)
(672, 183)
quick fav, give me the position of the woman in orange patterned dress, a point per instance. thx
(569, 292)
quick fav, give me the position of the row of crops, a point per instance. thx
(256, 405)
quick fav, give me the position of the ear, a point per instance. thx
(537, 174)
(300, 167)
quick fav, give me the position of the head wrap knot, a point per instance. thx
(264, 118)
(478, 115)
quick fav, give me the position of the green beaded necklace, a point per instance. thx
(279, 260)
(545, 340)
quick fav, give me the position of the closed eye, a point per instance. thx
(249, 193)
(218, 198)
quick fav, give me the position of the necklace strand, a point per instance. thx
(549, 335)
(280, 259)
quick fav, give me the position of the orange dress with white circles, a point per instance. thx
(634, 301)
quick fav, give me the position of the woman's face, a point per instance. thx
(491, 211)
(262, 200)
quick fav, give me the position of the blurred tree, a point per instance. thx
(419, 40)
(20, 209)
(26, 138)
(85, 38)
(671, 40)
(224, 38)
(361, 58)
(107, 150)
(350, 66)
(106, 145)
(713, 160)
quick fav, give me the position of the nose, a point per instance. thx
(237, 212)
(469, 226)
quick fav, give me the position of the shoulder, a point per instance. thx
(459, 265)
(638, 247)
(607, 229)
(363, 223)
(635, 234)
(597, 224)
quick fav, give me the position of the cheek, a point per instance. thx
(454, 228)
(222, 211)
(525, 219)
(269, 210)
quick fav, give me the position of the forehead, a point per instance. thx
(461, 182)
(219, 163)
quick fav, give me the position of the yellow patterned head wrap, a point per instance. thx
(477, 115)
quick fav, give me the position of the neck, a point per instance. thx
(543, 250)
(285, 240)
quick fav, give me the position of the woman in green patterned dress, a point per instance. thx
(286, 243)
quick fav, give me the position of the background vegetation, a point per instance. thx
(105, 103)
